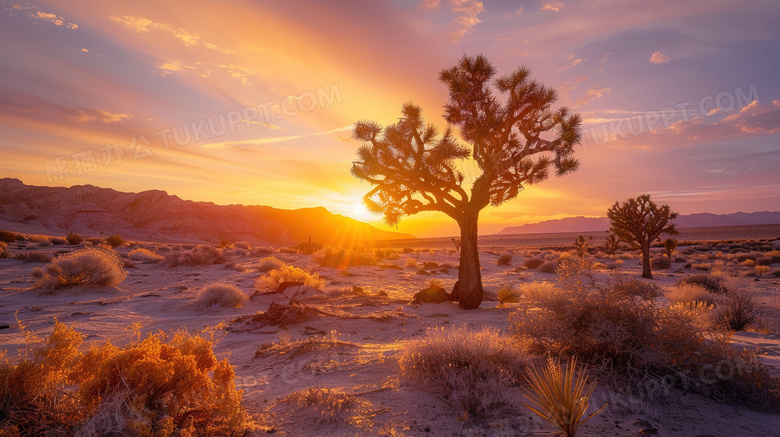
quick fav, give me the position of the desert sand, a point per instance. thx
(351, 345)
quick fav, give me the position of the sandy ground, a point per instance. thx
(353, 345)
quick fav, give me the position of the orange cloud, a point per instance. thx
(552, 6)
(659, 58)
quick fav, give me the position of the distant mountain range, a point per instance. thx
(596, 224)
(157, 216)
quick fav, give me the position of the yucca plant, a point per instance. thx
(560, 396)
(507, 294)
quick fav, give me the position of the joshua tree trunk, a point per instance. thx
(468, 289)
(646, 273)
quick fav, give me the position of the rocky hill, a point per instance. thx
(156, 215)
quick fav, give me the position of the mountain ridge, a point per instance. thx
(598, 224)
(157, 215)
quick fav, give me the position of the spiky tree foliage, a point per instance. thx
(669, 245)
(515, 140)
(639, 222)
(612, 244)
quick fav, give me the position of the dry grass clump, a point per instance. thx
(411, 262)
(224, 295)
(343, 258)
(155, 386)
(200, 255)
(561, 396)
(242, 245)
(263, 250)
(737, 309)
(4, 253)
(477, 368)
(533, 263)
(271, 280)
(89, 266)
(147, 255)
(333, 407)
(10, 237)
(270, 263)
(504, 259)
(690, 293)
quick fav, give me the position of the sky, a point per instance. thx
(252, 102)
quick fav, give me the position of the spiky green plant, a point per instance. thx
(560, 396)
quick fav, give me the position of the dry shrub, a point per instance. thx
(688, 293)
(90, 266)
(242, 245)
(271, 280)
(147, 255)
(150, 387)
(713, 284)
(748, 263)
(548, 267)
(36, 256)
(115, 241)
(4, 253)
(533, 263)
(333, 407)
(73, 238)
(737, 310)
(224, 295)
(661, 262)
(270, 263)
(760, 271)
(411, 262)
(703, 267)
(637, 340)
(477, 368)
(343, 258)
(263, 250)
(10, 237)
(504, 259)
(200, 255)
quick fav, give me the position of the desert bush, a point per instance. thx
(687, 293)
(702, 267)
(633, 339)
(115, 241)
(147, 255)
(73, 238)
(10, 237)
(748, 263)
(36, 256)
(504, 259)
(150, 387)
(308, 247)
(331, 406)
(737, 310)
(533, 263)
(561, 397)
(58, 241)
(411, 262)
(477, 368)
(263, 250)
(661, 262)
(406, 250)
(270, 263)
(242, 245)
(90, 266)
(343, 258)
(507, 294)
(760, 271)
(713, 284)
(200, 255)
(224, 295)
(775, 255)
(4, 253)
(548, 267)
(287, 273)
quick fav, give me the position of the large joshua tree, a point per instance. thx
(513, 133)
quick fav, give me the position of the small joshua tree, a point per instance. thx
(612, 244)
(581, 245)
(639, 222)
(513, 132)
(669, 245)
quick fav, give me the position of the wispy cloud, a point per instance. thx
(466, 14)
(552, 6)
(88, 115)
(271, 140)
